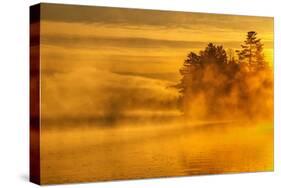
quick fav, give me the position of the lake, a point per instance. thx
(94, 151)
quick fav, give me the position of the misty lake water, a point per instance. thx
(88, 152)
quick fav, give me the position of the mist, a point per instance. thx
(92, 93)
(215, 86)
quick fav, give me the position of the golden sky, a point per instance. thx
(140, 41)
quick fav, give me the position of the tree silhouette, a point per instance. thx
(194, 65)
(213, 54)
(221, 83)
(252, 52)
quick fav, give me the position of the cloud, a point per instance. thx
(141, 17)
(76, 41)
(125, 42)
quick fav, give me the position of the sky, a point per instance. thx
(109, 48)
(120, 40)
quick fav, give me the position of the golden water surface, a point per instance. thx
(89, 152)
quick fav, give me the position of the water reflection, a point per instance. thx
(90, 152)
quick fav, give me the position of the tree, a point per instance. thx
(251, 54)
(212, 58)
(215, 84)
(190, 65)
(231, 56)
(194, 65)
(260, 56)
(214, 54)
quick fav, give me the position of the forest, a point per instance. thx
(227, 84)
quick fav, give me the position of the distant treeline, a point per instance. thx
(216, 83)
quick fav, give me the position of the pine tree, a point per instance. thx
(190, 65)
(252, 52)
(260, 56)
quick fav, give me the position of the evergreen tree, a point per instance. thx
(251, 54)
(190, 65)
(214, 54)
(217, 81)
(195, 66)
(260, 56)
